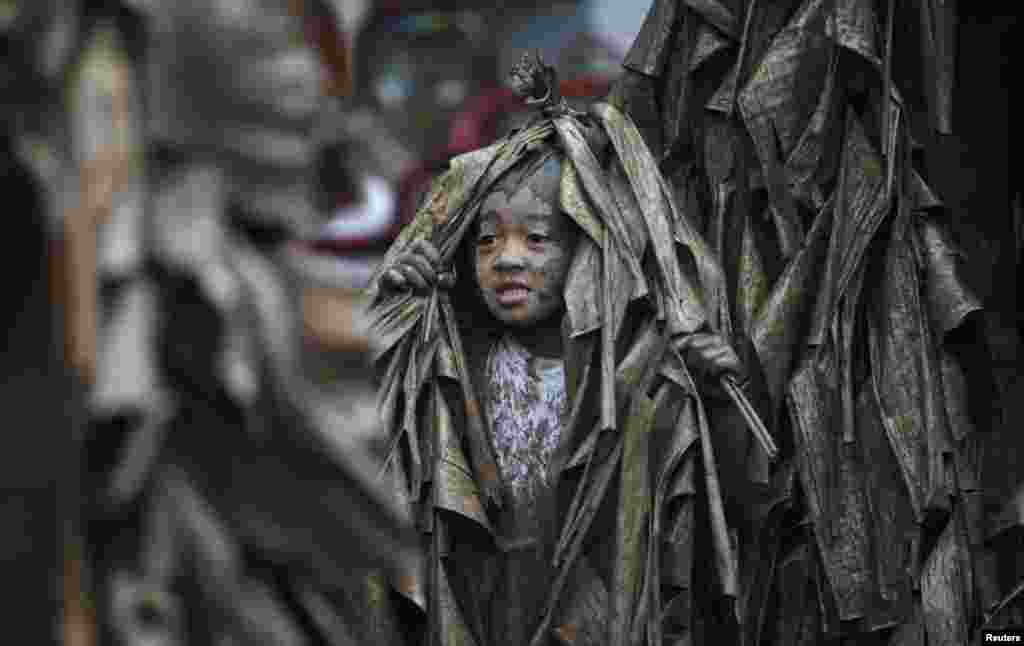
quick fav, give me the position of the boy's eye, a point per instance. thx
(485, 240)
(537, 238)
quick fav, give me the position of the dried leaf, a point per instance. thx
(950, 300)
(945, 579)
(456, 488)
(775, 331)
(651, 47)
(938, 41)
(685, 306)
(718, 15)
(833, 482)
(816, 154)
(709, 41)
(907, 379)
(584, 621)
(861, 208)
(451, 626)
(856, 28)
(635, 498)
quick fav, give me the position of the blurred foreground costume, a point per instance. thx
(610, 564)
(786, 128)
(219, 506)
(37, 393)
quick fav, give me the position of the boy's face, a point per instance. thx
(523, 247)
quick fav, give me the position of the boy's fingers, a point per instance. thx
(716, 357)
(430, 251)
(395, 279)
(728, 363)
(412, 275)
(696, 343)
(686, 343)
(422, 265)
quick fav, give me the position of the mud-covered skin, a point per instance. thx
(712, 358)
(416, 268)
(523, 248)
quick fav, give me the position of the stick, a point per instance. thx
(754, 423)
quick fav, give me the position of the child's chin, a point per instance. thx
(517, 320)
(522, 316)
(516, 317)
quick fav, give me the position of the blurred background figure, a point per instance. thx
(415, 70)
(162, 156)
(335, 266)
(223, 502)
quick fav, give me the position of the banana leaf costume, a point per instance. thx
(787, 127)
(638, 486)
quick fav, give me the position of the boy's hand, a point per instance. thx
(416, 268)
(711, 358)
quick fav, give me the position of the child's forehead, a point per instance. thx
(526, 204)
(538, 190)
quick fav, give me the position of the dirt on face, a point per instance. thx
(523, 248)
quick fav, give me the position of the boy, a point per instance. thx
(564, 318)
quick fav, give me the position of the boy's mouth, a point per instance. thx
(512, 293)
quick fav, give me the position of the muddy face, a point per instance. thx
(524, 245)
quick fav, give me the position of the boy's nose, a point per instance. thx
(510, 260)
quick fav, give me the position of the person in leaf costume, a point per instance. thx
(791, 129)
(556, 391)
(168, 148)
